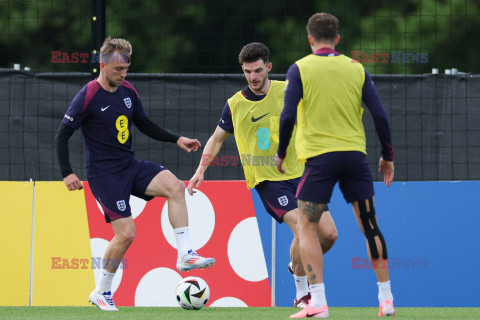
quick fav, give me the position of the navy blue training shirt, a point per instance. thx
(105, 119)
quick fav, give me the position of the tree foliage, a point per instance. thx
(205, 36)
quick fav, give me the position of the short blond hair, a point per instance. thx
(115, 45)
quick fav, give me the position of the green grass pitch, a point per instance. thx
(225, 313)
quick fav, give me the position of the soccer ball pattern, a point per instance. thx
(192, 293)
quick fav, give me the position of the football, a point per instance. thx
(192, 293)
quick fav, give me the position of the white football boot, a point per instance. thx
(386, 309)
(103, 300)
(192, 260)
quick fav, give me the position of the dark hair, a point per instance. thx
(254, 51)
(323, 26)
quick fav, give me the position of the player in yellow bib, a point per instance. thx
(324, 96)
(253, 115)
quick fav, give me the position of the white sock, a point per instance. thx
(318, 295)
(384, 291)
(302, 286)
(105, 282)
(183, 240)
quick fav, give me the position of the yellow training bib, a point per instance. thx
(256, 125)
(329, 116)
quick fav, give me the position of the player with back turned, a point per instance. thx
(324, 96)
(252, 115)
(104, 110)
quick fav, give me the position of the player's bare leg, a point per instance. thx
(312, 257)
(327, 235)
(291, 219)
(379, 263)
(377, 252)
(327, 231)
(310, 248)
(165, 184)
(301, 283)
(124, 229)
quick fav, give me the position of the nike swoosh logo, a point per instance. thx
(103, 109)
(310, 315)
(256, 119)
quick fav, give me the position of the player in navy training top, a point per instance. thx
(104, 110)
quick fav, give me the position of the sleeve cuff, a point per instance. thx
(67, 173)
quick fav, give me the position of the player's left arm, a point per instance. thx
(157, 132)
(380, 118)
(293, 95)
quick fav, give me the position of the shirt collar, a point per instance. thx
(326, 51)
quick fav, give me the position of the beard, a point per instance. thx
(113, 83)
(259, 85)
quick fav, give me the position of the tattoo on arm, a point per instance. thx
(313, 211)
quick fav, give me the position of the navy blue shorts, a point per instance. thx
(349, 168)
(278, 197)
(113, 191)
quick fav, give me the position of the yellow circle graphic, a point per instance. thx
(122, 127)
(123, 136)
(122, 123)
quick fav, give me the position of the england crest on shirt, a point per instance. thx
(121, 205)
(283, 200)
(128, 102)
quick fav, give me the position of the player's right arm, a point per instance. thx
(293, 95)
(61, 145)
(213, 146)
(71, 122)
